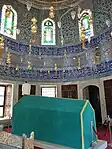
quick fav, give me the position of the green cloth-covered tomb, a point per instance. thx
(60, 121)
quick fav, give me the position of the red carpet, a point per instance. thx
(103, 134)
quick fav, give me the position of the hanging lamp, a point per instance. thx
(51, 12)
(33, 30)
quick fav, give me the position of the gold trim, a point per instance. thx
(82, 126)
(94, 119)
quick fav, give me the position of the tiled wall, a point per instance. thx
(102, 11)
(70, 29)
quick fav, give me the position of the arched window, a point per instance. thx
(86, 24)
(48, 32)
(8, 21)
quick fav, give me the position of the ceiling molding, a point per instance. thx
(58, 4)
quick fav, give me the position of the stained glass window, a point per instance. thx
(8, 21)
(48, 32)
(86, 24)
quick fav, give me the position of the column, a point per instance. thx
(59, 94)
(102, 101)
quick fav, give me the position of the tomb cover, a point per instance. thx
(60, 121)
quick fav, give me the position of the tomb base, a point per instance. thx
(44, 145)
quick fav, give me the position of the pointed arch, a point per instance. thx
(48, 32)
(86, 24)
(8, 21)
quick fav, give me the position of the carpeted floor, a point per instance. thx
(102, 133)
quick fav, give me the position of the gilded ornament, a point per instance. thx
(1, 42)
(17, 67)
(34, 30)
(97, 56)
(107, 52)
(82, 29)
(62, 41)
(1, 46)
(55, 66)
(51, 13)
(83, 37)
(34, 20)
(91, 21)
(29, 65)
(8, 11)
(8, 58)
(34, 25)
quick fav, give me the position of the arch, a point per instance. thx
(92, 94)
(8, 21)
(86, 24)
(48, 32)
(90, 84)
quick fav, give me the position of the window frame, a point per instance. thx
(2, 22)
(4, 100)
(49, 87)
(42, 32)
(86, 12)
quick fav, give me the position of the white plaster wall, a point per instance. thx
(80, 85)
(99, 84)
